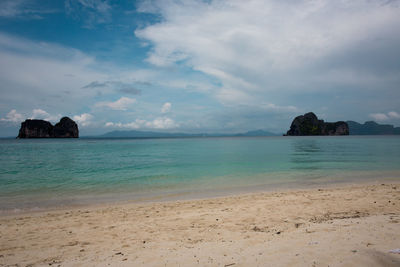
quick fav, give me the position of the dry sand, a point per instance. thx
(353, 225)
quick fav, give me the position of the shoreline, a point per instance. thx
(118, 198)
(353, 224)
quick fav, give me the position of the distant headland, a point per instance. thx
(65, 128)
(372, 128)
(309, 124)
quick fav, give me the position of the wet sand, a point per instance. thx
(346, 225)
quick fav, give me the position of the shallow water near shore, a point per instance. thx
(44, 173)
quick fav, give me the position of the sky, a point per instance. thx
(198, 66)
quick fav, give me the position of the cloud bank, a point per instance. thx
(383, 117)
(124, 103)
(13, 116)
(268, 50)
(16, 118)
(162, 123)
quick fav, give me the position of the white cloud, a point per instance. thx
(128, 88)
(91, 12)
(233, 96)
(123, 103)
(24, 9)
(255, 48)
(394, 115)
(11, 8)
(162, 123)
(84, 119)
(385, 116)
(43, 115)
(379, 116)
(110, 124)
(13, 116)
(40, 114)
(286, 32)
(51, 75)
(99, 5)
(158, 123)
(130, 125)
(166, 107)
(280, 109)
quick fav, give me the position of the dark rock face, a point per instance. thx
(66, 128)
(35, 129)
(308, 124)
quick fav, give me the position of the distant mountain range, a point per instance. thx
(372, 128)
(147, 134)
(355, 128)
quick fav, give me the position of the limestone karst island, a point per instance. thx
(309, 124)
(65, 128)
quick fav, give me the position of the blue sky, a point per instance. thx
(198, 66)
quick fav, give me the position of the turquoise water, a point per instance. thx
(55, 172)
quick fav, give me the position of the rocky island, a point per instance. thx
(309, 124)
(65, 128)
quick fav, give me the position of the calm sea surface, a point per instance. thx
(36, 174)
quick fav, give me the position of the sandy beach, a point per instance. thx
(346, 225)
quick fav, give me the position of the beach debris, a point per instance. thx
(329, 216)
(297, 225)
(55, 261)
(72, 243)
(278, 233)
(313, 243)
(395, 251)
(354, 251)
(393, 219)
(230, 264)
(257, 229)
(119, 253)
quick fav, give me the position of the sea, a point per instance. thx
(39, 174)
